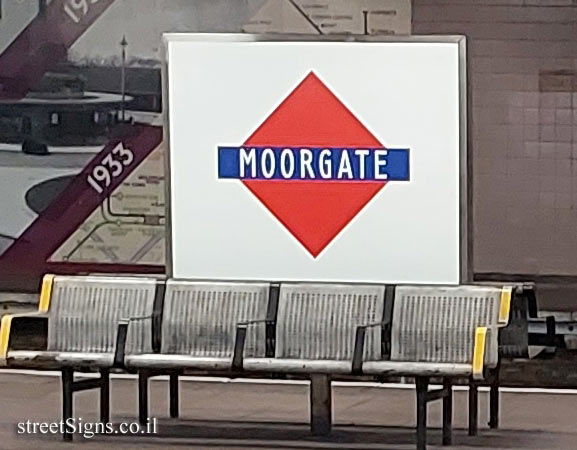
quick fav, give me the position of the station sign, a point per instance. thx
(316, 160)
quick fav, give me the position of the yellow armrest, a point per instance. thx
(5, 337)
(46, 293)
(479, 352)
(505, 305)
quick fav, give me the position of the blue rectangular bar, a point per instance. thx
(296, 163)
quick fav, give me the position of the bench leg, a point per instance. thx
(494, 402)
(67, 401)
(422, 389)
(105, 396)
(473, 409)
(173, 394)
(448, 412)
(320, 404)
(142, 397)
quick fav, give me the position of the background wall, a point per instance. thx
(523, 60)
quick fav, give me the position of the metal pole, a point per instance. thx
(123, 44)
(142, 397)
(173, 395)
(366, 20)
(422, 388)
(105, 396)
(447, 412)
(473, 409)
(320, 404)
(67, 401)
(42, 7)
(494, 401)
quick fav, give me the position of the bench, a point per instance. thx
(193, 339)
(423, 332)
(322, 330)
(318, 331)
(78, 319)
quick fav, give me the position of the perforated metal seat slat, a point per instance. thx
(319, 321)
(85, 311)
(437, 324)
(200, 318)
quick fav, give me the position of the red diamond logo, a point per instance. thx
(314, 212)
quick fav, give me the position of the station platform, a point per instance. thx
(254, 414)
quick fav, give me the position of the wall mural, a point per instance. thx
(81, 149)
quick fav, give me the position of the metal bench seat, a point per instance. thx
(35, 359)
(199, 325)
(296, 366)
(315, 335)
(199, 322)
(78, 317)
(436, 328)
(177, 362)
(447, 332)
(432, 330)
(413, 369)
(317, 322)
(423, 332)
(443, 332)
(315, 328)
(438, 324)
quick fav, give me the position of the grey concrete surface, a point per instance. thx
(237, 415)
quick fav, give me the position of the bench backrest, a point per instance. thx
(84, 313)
(319, 321)
(200, 318)
(437, 324)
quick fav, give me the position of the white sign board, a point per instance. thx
(316, 160)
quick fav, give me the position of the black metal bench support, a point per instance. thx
(424, 396)
(422, 388)
(69, 387)
(173, 395)
(448, 412)
(105, 396)
(494, 402)
(143, 376)
(67, 401)
(473, 408)
(320, 405)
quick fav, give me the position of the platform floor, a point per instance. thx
(252, 415)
